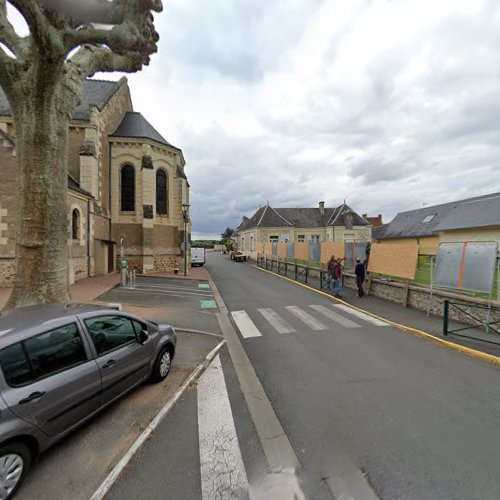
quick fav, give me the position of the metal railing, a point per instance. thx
(488, 323)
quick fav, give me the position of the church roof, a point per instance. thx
(95, 93)
(135, 125)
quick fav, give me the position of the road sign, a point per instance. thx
(185, 245)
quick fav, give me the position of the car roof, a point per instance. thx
(20, 323)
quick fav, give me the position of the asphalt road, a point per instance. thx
(419, 420)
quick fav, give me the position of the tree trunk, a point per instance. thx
(42, 130)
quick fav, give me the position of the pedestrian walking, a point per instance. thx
(360, 273)
(329, 268)
(337, 279)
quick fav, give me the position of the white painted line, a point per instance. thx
(222, 470)
(276, 321)
(341, 320)
(361, 315)
(306, 318)
(178, 293)
(111, 478)
(173, 287)
(245, 324)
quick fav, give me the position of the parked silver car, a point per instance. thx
(60, 365)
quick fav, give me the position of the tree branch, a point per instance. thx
(44, 35)
(8, 35)
(90, 59)
(96, 11)
(135, 32)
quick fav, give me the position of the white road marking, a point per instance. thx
(223, 473)
(362, 315)
(171, 287)
(245, 324)
(177, 293)
(341, 320)
(276, 321)
(311, 322)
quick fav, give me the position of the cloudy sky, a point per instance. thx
(388, 104)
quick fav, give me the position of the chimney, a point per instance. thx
(365, 216)
(322, 207)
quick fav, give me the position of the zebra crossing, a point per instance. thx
(314, 317)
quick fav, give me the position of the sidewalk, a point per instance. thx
(413, 318)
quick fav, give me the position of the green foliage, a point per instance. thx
(205, 243)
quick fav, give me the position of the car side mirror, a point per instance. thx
(143, 336)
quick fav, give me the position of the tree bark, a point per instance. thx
(42, 240)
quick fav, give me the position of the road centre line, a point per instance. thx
(457, 347)
(306, 318)
(245, 324)
(276, 321)
(346, 322)
(361, 315)
(218, 442)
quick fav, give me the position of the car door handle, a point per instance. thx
(109, 364)
(32, 397)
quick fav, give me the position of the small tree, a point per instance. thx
(42, 76)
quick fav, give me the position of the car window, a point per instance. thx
(110, 332)
(15, 366)
(139, 327)
(43, 355)
(54, 351)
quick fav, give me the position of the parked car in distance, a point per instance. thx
(197, 256)
(60, 364)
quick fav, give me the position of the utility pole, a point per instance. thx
(185, 208)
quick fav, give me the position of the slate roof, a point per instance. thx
(74, 186)
(95, 93)
(481, 211)
(134, 124)
(300, 217)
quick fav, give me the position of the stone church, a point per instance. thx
(125, 181)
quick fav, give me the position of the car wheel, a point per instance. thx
(15, 461)
(162, 365)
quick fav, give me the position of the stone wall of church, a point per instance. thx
(8, 208)
(75, 140)
(107, 121)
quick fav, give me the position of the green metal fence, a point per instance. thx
(486, 317)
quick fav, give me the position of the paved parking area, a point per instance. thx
(164, 292)
(74, 468)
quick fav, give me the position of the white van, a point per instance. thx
(197, 256)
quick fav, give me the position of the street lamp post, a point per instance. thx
(185, 208)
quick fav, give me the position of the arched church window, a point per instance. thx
(75, 224)
(161, 192)
(128, 188)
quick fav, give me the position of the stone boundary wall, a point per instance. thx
(418, 297)
(7, 272)
(80, 267)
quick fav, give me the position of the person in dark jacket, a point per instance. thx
(337, 278)
(359, 271)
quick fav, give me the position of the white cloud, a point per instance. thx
(386, 103)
